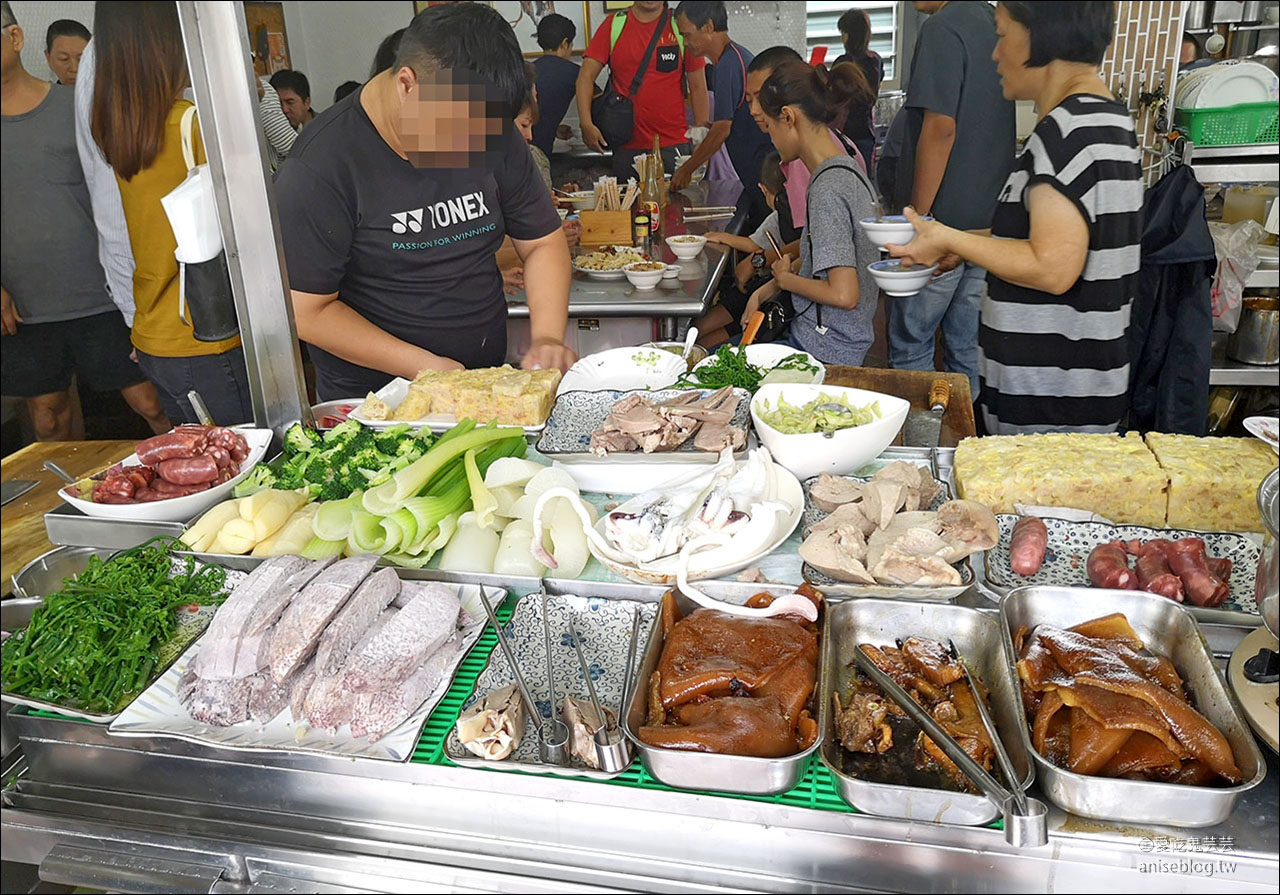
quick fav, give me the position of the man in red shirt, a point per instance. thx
(659, 103)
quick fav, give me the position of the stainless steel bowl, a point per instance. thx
(1167, 628)
(1266, 588)
(708, 771)
(977, 637)
(44, 574)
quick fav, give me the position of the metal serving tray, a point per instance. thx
(68, 527)
(881, 622)
(710, 771)
(1167, 628)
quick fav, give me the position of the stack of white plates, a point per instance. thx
(1227, 84)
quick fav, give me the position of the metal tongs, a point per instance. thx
(553, 740)
(544, 736)
(1025, 820)
(613, 752)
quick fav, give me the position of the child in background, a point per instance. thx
(722, 322)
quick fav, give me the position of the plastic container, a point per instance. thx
(1230, 126)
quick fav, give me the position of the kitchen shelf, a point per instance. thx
(1264, 279)
(1224, 371)
(1250, 163)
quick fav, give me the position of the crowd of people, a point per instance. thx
(422, 192)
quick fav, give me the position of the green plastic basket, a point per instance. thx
(1230, 126)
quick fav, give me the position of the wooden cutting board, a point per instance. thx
(22, 533)
(913, 385)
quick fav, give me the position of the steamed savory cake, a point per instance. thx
(502, 394)
(1114, 476)
(1213, 482)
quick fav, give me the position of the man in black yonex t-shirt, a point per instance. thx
(394, 201)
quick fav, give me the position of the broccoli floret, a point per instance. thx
(261, 477)
(331, 490)
(299, 440)
(342, 433)
(411, 448)
(388, 440)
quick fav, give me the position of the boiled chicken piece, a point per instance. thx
(831, 491)
(838, 552)
(968, 527)
(881, 500)
(881, 538)
(913, 559)
(848, 515)
(921, 488)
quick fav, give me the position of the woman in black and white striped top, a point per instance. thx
(1064, 247)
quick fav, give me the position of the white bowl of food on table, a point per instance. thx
(892, 229)
(645, 274)
(606, 262)
(125, 492)
(769, 362)
(686, 246)
(898, 279)
(623, 369)
(811, 429)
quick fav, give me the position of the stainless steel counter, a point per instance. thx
(1225, 371)
(689, 295)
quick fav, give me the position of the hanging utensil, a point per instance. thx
(553, 739)
(612, 750)
(925, 426)
(59, 472)
(198, 405)
(530, 706)
(1023, 830)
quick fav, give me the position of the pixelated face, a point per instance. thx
(449, 119)
(697, 41)
(64, 57)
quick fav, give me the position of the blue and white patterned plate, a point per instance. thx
(577, 414)
(834, 587)
(1070, 544)
(604, 627)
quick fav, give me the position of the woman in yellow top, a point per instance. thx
(140, 74)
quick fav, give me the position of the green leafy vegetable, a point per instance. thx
(728, 366)
(96, 643)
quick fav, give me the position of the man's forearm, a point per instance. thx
(340, 330)
(933, 151)
(547, 276)
(582, 93)
(715, 139)
(698, 97)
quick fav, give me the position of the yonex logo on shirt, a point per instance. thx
(448, 213)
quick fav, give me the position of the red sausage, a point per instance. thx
(169, 489)
(1221, 567)
(1155, 576)
(239, 450)
(116, 486)
(1108, 566)
(1028, 544)
(188, 470)
(181, 442)
(220, 455)
(1188, 561)
(148, 495)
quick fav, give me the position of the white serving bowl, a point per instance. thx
(623, 369)
(686, 245)
(767, 355)
(644, 279)
(892, 228)
(846, 450)
(175, 509)
(894, 279)
(672, 271)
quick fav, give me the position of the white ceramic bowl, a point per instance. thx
(768, 355)
(672, 271)
(847, 449)
(623, 369)
(894, 279)
(893, 228)
(175, 509)
(686, 245)
(644, 279)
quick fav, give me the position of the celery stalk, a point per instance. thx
(482, 501)
(368, 535)
(332, 521)
(390, 496)
(319, 548)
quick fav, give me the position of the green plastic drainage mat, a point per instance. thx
(815, 790)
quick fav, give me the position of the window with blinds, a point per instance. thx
(820, 30)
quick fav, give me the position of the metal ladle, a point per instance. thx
(838, 410)
(59, 472)
(553, 739)
(530, 706)
(613, 752)
(1027, 828)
